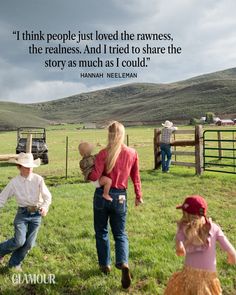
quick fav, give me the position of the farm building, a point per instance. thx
(90, 125)
(225, 122)
(203, 120)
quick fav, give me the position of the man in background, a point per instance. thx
(166, 134)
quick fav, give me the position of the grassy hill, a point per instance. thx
(215, 92)
(13, 115)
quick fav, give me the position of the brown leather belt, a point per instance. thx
(32, 209)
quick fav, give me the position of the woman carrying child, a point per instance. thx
(118, 162)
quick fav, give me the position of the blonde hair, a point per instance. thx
(195, 228)
(85, 148)
(116, 134)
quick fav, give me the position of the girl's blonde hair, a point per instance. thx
(195, 228)
(116, 134)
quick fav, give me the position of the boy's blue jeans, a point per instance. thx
(26, 228)
(165, 153)
(115, 212)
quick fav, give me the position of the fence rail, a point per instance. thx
(196, 142)
(219, 146)
(183, 153)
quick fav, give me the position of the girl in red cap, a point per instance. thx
(196, 240)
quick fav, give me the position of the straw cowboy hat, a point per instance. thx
(167, 124)
(26, 160)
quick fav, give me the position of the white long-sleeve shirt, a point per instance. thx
(30, 191)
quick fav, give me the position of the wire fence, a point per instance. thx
(140, 138)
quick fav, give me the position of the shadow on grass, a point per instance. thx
(61, 180)
(4, 270)
(65, 284)
(6, 164)
(17, 285)
(178, 173)
(87, 273)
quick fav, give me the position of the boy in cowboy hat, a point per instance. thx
(33, 199)
(166, 134)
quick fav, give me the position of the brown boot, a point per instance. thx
(106, 269)
(126, 278)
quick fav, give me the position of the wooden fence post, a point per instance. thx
(198, 149)
(175, 148)
(157, 149)
(29, 144)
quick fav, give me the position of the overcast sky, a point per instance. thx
(205, 29)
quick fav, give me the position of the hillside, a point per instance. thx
(13, 115)
(215, 92)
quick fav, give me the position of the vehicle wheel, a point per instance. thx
(45, 158)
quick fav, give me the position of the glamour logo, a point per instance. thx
(33, 279)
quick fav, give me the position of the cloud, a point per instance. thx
(38, 91)
(138, 8)
(204, 29)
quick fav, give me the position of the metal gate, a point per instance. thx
(219, 150)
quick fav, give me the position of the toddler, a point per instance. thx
(86, 166)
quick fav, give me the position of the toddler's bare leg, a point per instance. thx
(106, 182)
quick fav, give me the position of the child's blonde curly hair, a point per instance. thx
(196, 229)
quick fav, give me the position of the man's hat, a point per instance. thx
(26, 160)
(195, 205)
(167, 124)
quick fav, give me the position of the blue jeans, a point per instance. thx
(115, 212)
(165, 153)
(26, 228)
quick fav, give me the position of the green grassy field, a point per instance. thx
(66, 244)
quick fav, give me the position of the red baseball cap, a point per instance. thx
(195, 205)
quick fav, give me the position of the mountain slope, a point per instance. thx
(182, 100)
(13, 115)
(214, 92)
